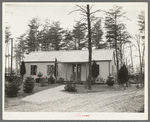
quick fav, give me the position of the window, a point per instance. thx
(33, 69)
(50, 69)
(78, 68)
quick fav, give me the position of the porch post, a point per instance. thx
(112, 70)
(56, 71)
(66, 71)
(76, 71)
(109, 67)
(86, 71)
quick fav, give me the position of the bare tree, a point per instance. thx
(141, 50)
(117, 34)
(85, 12)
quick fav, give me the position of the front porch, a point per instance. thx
(76, 70)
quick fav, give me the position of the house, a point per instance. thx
(73, 62)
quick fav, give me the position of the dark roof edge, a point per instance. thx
(63, 62)
(68, 50)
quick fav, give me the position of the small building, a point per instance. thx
(72, 62)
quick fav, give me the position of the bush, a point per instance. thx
(12, 88)
(70, 86)
(40, 75)
(110, 81)
(123, 75)
(139, 78)
(51, 80)
(92, 80)
(14, 78)
(142, 109)
(43, 81)
(61, 81)
(37, 80)
(28, 85)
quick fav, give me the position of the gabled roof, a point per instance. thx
(70, 56)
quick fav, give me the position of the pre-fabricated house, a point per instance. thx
(73, 62)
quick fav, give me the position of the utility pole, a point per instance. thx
(90, 50)
(11, 54)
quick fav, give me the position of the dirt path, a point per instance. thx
(104, 100)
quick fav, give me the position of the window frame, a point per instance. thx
(53, 70)
(34, 68)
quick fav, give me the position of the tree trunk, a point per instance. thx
(116, 47)
(22, 78)
(90, 51)
(16, 65)
(143, 61)
(131, 56)
(75, 44)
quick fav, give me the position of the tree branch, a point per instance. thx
(83, 10)
(75, 11)
(91, 7)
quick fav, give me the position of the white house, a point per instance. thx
(73, 62)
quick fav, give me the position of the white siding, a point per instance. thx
(83, 71)
(41, 67)
(103, 69)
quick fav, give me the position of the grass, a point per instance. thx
(12, 101)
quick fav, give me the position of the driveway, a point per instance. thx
(48, 95)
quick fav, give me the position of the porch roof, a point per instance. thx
(69, 56)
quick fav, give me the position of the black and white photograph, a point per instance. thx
(75, 61)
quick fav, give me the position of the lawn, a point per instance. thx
(101, 98)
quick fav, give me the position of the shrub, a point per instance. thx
(43, 81)
(92, 80)
(61, 81)
(37, 80)
(14, 78)
(40, 75)
(51, 80)
(139, 78)
(123, 75)
(100, 80)
(28, 85)
(12, 88)
(70, 86)
(110, 81)
(142, 109)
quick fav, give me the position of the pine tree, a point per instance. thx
(32, 37)
(141, 21)
(97, 34)
(117, 34)
(68, 40)
(7, 34)
(56, 35)
(79, 34)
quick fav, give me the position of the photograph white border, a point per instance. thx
(77, 115)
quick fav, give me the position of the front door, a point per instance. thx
(77, 72)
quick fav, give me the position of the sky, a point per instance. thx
(18, 15)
